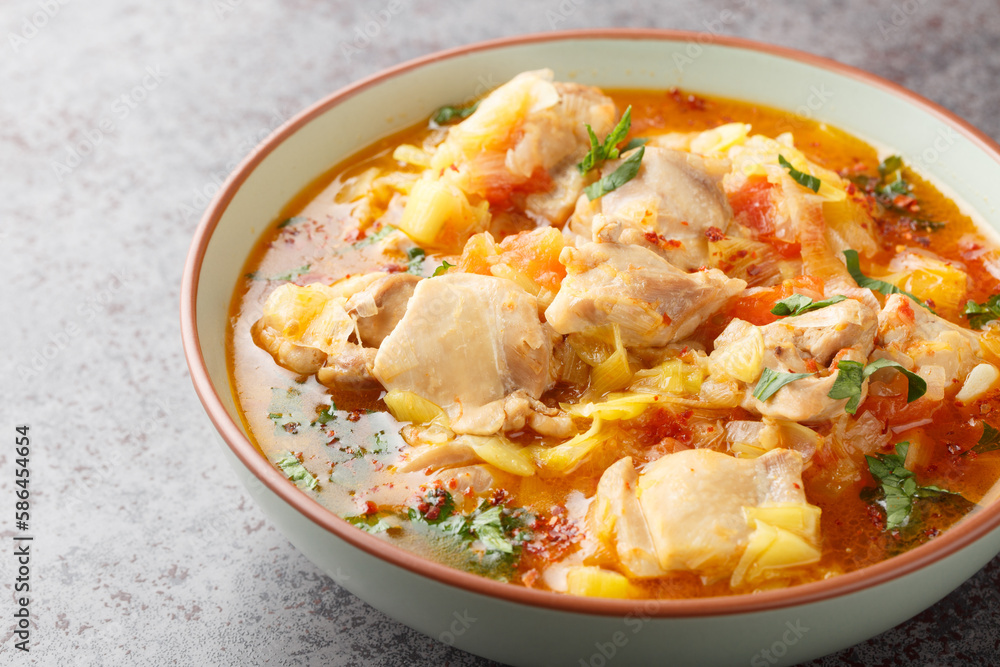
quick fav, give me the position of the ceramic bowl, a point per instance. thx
(528, 627)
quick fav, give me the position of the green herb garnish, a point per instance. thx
(989, 441)
(619, 177)
(287, 222)
(447, 114)
(376, 237)
(854, 268)
(415, 259)
(890, 165)
(445, 265)
(291, 275)
(370, 523)
(853, 374)
(979, 314)
(899, 485)
(296, 472)
(326, 415)
(771, 381)
(599, 152)
(803, 179)
(797, 304)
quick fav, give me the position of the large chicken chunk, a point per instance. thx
(669, 206)
(811, 343)
(932, 347)
(519, 148)
(702, 511)
(468, 343)
(653, 301)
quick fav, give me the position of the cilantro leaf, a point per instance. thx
(771, 381)
(989, 441)
(853, 374)
(619, 177)
(797, 304)
(599, 152)
(447, 114)
(854, 268)
(979, 314)
(803, 179)
(898, 485)
(296, 472)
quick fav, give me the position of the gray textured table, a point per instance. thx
(117, 119)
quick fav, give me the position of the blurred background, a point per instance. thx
(118, 122)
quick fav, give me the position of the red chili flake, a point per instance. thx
(529, 578)
(369, 508)
(498, 496)
(354, 415)
(714, 234)
(851, 188)
(452, 483)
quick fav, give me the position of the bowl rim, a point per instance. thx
(969, 530)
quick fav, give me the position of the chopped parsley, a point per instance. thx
(370, 523)
(500, 529)
(797, 304)
(803, 179)
(376, 237)
(288, 222)
(619, 177)
(989, 441)
(853, 374)
(771, 381)
(441, 270)
(415, 260)
(890, 165)
(291, 275)
(599, 152)
(854, 268)
(286, 410)
(296, 472)
(898, 485)
(447, 114)
(326, 415)
(979, 314)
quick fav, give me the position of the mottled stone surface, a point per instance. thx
(147, 551)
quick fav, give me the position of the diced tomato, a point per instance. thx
(752, 206)
(756, 308)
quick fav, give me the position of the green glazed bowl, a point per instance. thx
(517, 625)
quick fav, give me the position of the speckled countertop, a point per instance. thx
(116, 119)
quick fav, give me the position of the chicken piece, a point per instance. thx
(693, 502)
(524, 139)
(669, 206)
(380, 306)
(941, 352)
(688, 511)
(654, 302)
(616, 518)
(808, 343)
(302, 326)
(309, 329)
(466, 342)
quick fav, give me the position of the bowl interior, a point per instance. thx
(956, 157)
